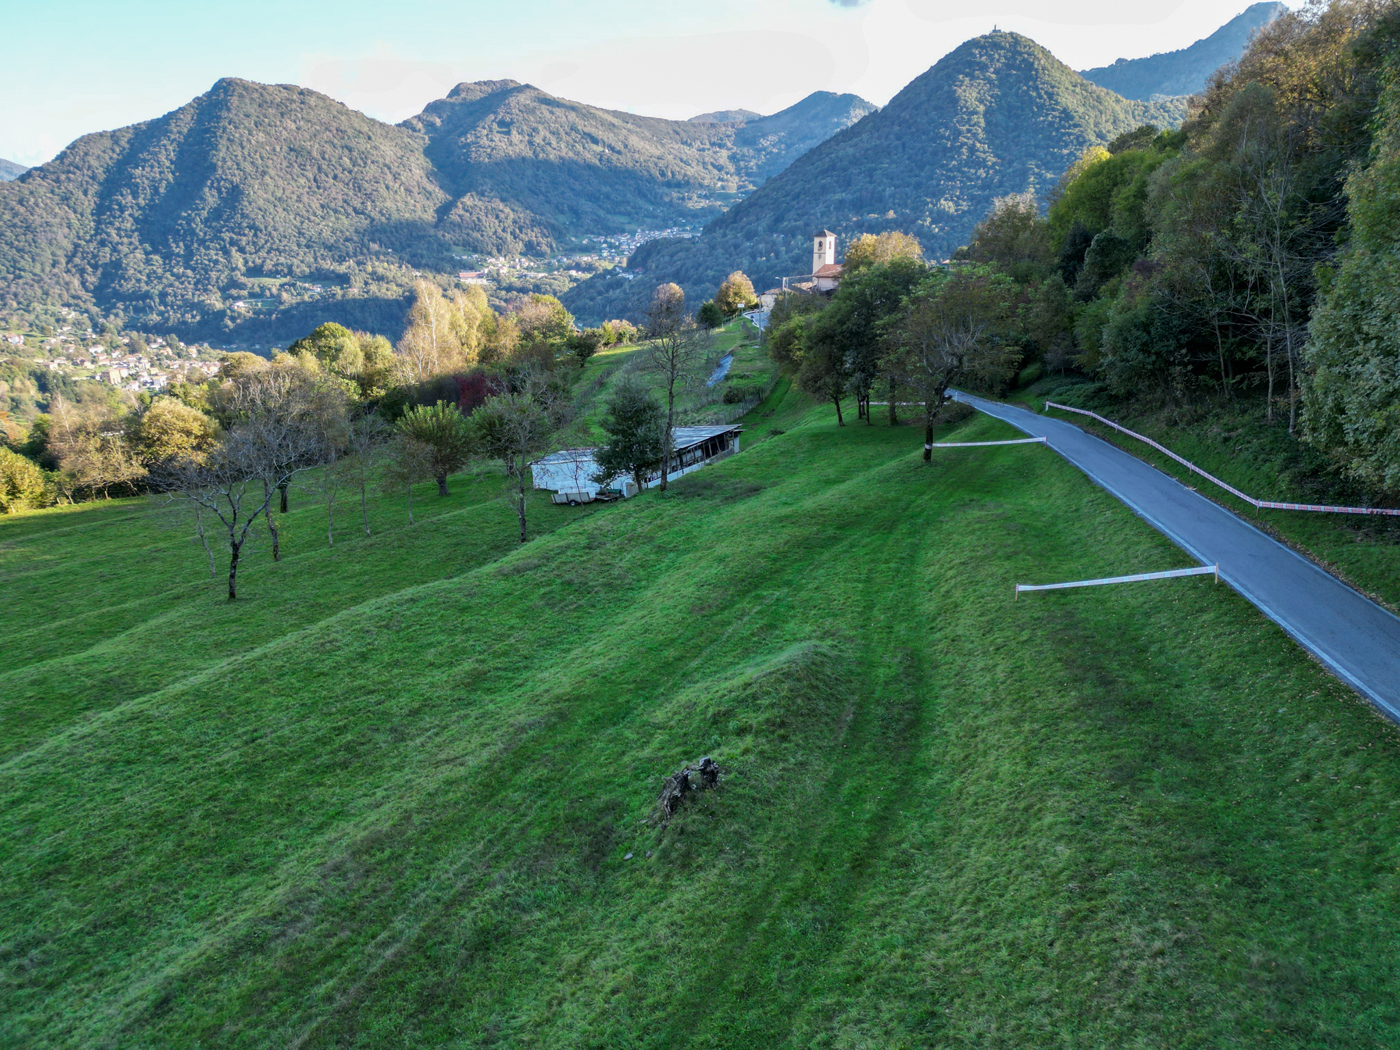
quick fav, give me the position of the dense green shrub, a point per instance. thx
(22, 483)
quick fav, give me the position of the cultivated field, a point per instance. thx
(385, 799)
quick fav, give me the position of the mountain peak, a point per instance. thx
(470, 90)
(725, 116)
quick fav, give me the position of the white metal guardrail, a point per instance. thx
(974, 444)
(1257, 503)
(1168, 574)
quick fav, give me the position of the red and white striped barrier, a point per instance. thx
(975, 444)
(1264, 504)
(1168, 574)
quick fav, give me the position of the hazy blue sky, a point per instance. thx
(76, 66)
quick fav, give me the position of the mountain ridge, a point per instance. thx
(997, 115)
(1186, 70)
(167, 221)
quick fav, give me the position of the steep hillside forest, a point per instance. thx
(1187, 71)
(1252, 255)
(166, 225)
(997, 115)
(10, 170)
(1230, 287)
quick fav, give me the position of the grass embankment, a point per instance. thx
(751, 370)
(1123, 817)
(1235, 442)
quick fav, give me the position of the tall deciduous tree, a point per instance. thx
(874, 249)
(93, 452)
(955, 327)
(170, 429)
(515, 427)
(735, 294)
(849, 323)
(676, 352)
(1352, 399)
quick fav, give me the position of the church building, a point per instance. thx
(826, 272)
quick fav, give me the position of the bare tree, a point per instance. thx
(409, 462)
(286, 411)
(677, 350)
(367, 437)
(516, 427)
(276, 438)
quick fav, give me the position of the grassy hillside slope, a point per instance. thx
(387, 799)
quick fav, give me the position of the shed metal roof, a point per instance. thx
(567, 455)
(684, 437)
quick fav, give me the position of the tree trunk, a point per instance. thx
(442, 484)
(276, 540)
(204, 540)
(521, 507)
(894, 415)
(1220, 353)
(928, 438)
(666, 446)
(1269, 367)
(839, 421)
(233, 570)
(282, 488)
(364, 503)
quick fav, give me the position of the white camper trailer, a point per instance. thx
(569, 473)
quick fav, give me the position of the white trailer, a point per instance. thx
(569, 473)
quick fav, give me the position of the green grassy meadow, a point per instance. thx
(695, 402)
(385, 798)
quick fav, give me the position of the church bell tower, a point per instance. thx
(823, 250)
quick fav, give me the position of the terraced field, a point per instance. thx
(388, 798)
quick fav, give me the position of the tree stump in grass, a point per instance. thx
(673, 790)
(677, 786)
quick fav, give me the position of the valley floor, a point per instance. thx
(386, 799)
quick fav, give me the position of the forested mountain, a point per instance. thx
(10, 170)
(527, 168)
(156, 220)
(1186, 71)
(996, 116)
(167, 222)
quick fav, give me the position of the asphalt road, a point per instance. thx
(1352, 635)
